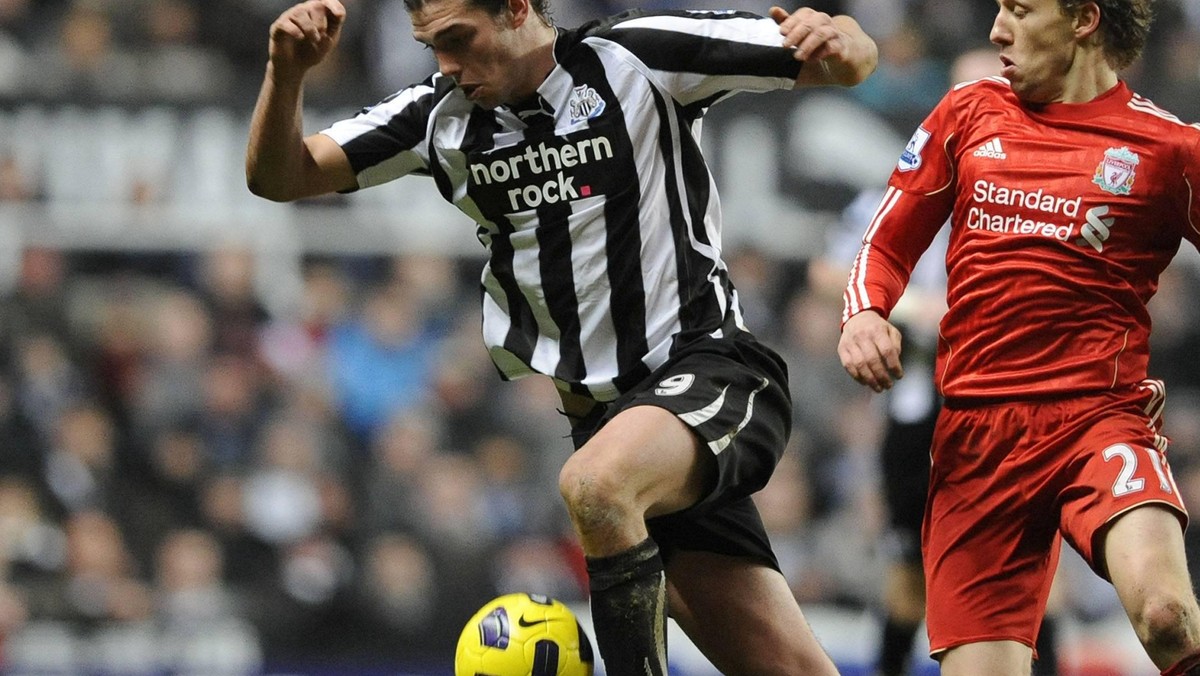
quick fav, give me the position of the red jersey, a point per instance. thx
(1062, 217)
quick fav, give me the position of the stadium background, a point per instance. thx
(241, 437)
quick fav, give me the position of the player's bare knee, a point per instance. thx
(594, 494)
(1167, 624)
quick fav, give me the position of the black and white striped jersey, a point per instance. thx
(597, 209)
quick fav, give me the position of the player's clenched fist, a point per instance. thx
(842, 53)
(304, 34)
(807, 31)
(870, 350)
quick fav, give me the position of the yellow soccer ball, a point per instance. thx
(523, 635)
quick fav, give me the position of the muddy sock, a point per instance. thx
(629, 599)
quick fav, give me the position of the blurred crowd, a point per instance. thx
(194, 478)
(213, 51)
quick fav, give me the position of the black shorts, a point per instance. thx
(905, 469)
(733, 393)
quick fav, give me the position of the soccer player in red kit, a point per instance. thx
(1067, 196)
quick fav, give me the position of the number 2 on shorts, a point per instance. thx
(1126, 482)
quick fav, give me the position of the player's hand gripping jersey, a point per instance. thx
(1062, 218)
(602, 165)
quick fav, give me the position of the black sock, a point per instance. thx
(896, 646)
(1047, 648)
(629, 610)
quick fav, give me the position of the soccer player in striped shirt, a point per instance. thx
(1068, 194)
(577, 154)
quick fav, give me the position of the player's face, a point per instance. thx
(1037, 48)
(479, 50)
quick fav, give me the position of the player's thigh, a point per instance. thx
(988, 658)
(650, 456)
(1144, 556)
(990, 541)
(743, 616)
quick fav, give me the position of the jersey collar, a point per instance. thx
(1113, 100)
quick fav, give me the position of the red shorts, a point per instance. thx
(1008, 480)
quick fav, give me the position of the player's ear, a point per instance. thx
(1087, 20)
(518, 11)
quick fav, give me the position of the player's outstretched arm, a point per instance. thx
(281, 164)
(835, 49)
(870, 350)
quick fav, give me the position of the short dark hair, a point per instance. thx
(1124, 27)
(493, 7)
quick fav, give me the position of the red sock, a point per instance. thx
(1188, 666)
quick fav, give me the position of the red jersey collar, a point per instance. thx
(1112, 100)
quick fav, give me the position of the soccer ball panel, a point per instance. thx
(523, 635)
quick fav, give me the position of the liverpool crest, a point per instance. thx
(1116, 172)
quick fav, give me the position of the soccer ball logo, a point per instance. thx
(523, 635)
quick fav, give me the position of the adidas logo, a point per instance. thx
(991, 149)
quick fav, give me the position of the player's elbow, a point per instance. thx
(318, 168)
(258, 189)
(264, 187)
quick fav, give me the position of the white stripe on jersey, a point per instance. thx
(1157, 401)
(737, 314)
(595, 319)
(495, 331)
(857, 296)
(890, 197)
(659, 269)
(854, 296)
(688, 87)
(745, 30)
(1144, 105)
(400, 164)
(968, 83)
(528, 275)
(1191, 196)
